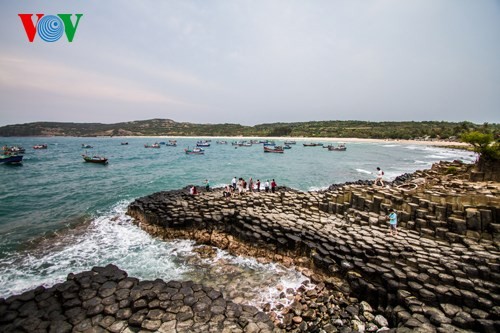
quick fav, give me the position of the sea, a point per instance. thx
(59, 214)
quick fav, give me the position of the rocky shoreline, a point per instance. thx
(440, 274)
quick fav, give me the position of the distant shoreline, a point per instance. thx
(307, 139)
(442, 143)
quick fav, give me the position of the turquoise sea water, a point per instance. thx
(59, 214)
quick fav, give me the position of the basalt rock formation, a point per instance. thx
(105, 299)
(441, 273)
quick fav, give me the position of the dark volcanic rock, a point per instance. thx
(100, 293)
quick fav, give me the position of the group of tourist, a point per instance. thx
(242, 186)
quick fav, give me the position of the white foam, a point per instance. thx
(113, 238)
(317, 188)
(363, 171)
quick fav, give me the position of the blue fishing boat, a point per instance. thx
(11, 159)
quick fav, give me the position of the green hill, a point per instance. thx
(334, 128)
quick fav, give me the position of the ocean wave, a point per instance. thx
(111, 237)
(364, 171)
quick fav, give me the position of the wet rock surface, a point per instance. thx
(105, 299)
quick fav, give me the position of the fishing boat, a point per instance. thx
(221, 142)
(171, 144)
(13, 150)
(340, 147)
(42, 146)
(202, 144)
(95, 159)
(154, 145)
(85, 146)
(269, 143)
(11, 159)
(244, 144)
(287, 147)
(194, 151)
(124, 143)
(276, 149)
(290, 142)
(312, 144)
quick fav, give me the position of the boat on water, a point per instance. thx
(13, 150)
(275, 149)
(11, 158)
(202, 144)
(154, 145)
(269, 143)
(171, 144)
(221, 142)
(85, 146)
(312, 144)
(194, 151)
(244, 144)
(340, 147)
(42, 146)
(124, 143)
(95, 159)
(290, 142)
(287, 147)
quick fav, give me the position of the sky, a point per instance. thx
(254, 61)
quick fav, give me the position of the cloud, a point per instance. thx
(58, 79)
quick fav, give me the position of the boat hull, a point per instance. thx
(96, 160)
(11, 159)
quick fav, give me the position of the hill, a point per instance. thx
(334, 128)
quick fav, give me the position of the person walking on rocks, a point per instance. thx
(379, 178)
(227, 192)
(266, 186)
(250, 185)
(233, 182)
(393, 222)
(258, 185)
(240, 186)
(273, 186)
(207, 185)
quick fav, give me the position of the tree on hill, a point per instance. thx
(488, 150)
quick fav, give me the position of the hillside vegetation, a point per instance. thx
(167, 127)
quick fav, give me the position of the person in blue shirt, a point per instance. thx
(393, 222)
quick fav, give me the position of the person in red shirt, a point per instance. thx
(273, 186)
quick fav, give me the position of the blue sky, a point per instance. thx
(254, 61)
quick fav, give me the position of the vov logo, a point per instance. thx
(50, 28)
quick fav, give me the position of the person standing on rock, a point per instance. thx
(233, 182)
(379, 178)
(393, 222)
(273, 186)
(266, 186)
(250, 185)
(258, 185)
(207, 185)
(240, 186)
